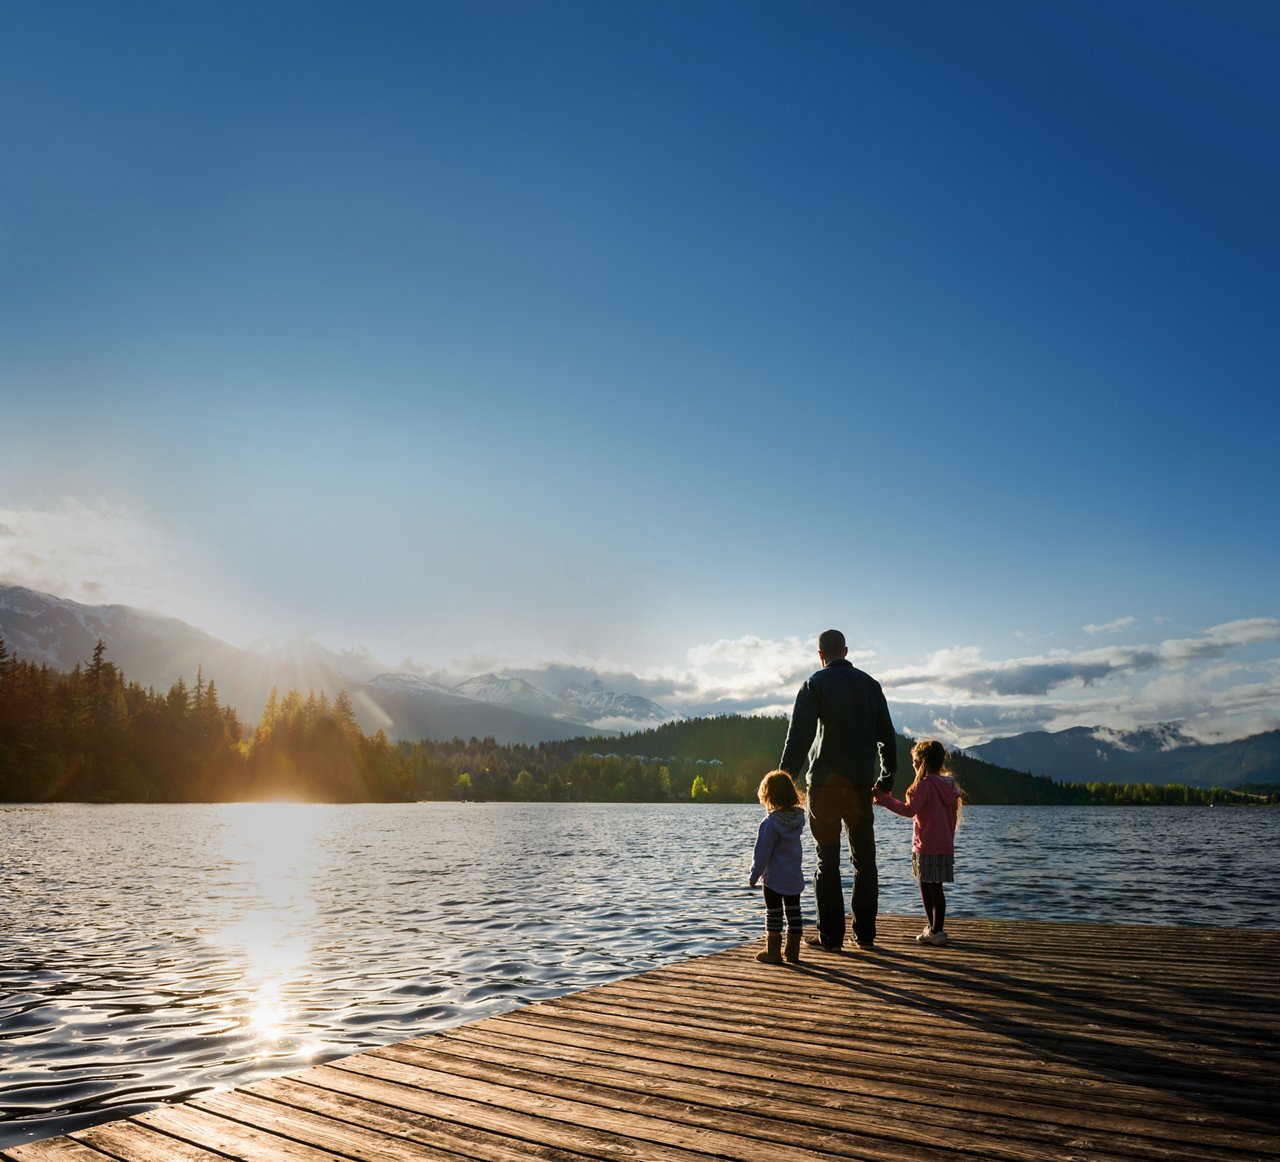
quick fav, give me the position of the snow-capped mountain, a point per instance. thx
(584, 690)
(596, 704)
(1085, 753)
(409, 685)
(1160, 754)
(500, 690)
(565, 693)
(409, 707)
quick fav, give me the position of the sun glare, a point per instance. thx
(271, 858)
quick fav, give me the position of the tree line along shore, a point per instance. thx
(91, 735)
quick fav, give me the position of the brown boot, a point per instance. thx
(772, 953)
(791, 954)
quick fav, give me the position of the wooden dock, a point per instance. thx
(1020, 1041)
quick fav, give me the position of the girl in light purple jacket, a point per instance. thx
(777, 861)
(933, 801)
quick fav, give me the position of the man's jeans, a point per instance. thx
(834, 804)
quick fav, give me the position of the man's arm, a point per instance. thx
(888, 741)
(801, 733)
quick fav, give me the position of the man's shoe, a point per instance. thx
(865, 946)
(818, 942)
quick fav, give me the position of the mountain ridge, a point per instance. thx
(1160, 753)
(156, 651)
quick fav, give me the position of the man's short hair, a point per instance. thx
(831, 643)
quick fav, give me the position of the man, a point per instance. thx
(857, 753)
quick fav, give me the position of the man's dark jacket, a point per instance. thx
(845, 709)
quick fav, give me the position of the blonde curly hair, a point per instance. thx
(778, 791)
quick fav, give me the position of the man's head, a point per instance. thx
(831, 645)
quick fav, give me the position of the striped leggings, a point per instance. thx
(776, 907)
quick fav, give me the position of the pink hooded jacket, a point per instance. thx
(933, 806)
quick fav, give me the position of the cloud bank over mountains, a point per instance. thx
(1218, 683)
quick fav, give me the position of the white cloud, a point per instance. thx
(967, 698)
(1112, 626)
(966, 672)
(746, 675)
(962, 696)
(1220, 639)
(748, 666)
(96, 554)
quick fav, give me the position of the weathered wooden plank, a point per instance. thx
(933, 1022)
(320, 1130)
(963, 1071)
(1054, 1079)
(229, 1137)
(910, 1123)
(388, 1117)
(54, 1150)
(1014, 1130)
(140, 1143)
(617, 1096)
(706, 1031)
(573, 1112)
(1212, 993)
(1129, 1105)
(977, 1025)
(766, 1062)
(522, 1124)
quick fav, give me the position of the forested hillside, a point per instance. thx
(739, 750)
(744, 748)
(92, 736)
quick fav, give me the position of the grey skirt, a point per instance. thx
(933, 869)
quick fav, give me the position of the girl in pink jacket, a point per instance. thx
(933, 801)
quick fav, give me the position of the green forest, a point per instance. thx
(91, 735)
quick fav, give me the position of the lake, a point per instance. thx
(151, 952)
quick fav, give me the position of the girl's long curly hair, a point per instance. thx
(929, 757)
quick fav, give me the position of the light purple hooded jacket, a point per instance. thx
(779, 852)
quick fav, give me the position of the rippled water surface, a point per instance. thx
(150, 952)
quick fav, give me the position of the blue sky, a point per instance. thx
(658, 337)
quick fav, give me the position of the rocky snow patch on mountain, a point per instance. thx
(585, 702)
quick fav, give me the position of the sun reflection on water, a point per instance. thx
(272, 858)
